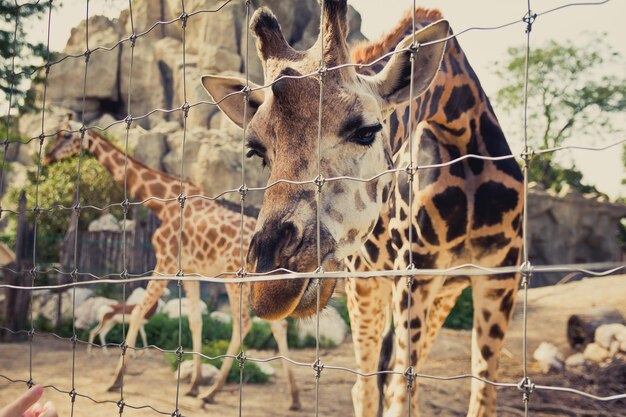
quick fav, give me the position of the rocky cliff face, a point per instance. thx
(214, 43)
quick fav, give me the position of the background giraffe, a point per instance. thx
(465, 212)
(210, 246)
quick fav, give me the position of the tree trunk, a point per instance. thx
(581, 328)
(17, 302)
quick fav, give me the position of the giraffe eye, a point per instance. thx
(366, 135)
(254, 152)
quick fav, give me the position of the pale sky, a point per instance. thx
(603, 169)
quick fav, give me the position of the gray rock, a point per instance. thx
(65, 78)
(549, 357)
(595, 353)
(209, 372)
(150, 149)
(575, 361)
(105, 223)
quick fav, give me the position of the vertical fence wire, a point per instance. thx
(36, 210)
(125, 205)
(411, 170)
(181, 200)
(241, 357)
(526, 385)
(319, 182)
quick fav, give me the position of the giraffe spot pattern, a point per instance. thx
(452, 207)
(461, 100)
(491, 201)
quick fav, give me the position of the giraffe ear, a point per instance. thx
(224, 90)
(393, 82)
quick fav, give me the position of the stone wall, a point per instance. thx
(570, 227)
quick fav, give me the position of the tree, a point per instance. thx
(572, 88)
(57, 187)
(27, 55)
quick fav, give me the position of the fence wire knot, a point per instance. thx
(318, 366)
(185, 108)
(47, 67)
(176, 413)
(128, 120)
(120, 405)
(241, 273)
(87, 55)
(124, 205)
(413, 48)
(243, 191)
(72, 394)
(241, 359)
(124, 274)
(183, 19)
(527, 387)
(124, 347)
(31, 334)
(319, 182)
(410, 376)
(133, 39)
(30, 383)
(180, 352)
(181, 200)
(41, 139)
(410, 171)
(526, 269)
(74, 274)
(529, 19)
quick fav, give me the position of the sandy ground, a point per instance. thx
(151, 382)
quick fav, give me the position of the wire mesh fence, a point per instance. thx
(78, 277)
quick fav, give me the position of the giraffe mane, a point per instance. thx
(370, 51)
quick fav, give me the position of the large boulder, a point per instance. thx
(65, 81)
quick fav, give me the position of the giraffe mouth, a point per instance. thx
(308, 304)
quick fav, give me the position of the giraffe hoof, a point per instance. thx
(114, 388)
(208, 399)
(193, 392)
(295, 406)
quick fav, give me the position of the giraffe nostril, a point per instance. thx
(273, 245)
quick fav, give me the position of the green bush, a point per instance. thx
(462, 315)
(341, 305)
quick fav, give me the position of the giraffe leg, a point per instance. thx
(240, 329)
(153, 292)
(192, 291)
(409, 324)
(493, 303)
(279, 330)
(144, 338)
(367, 306)
(103, 334)
(92, 336)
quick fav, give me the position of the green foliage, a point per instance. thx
(462, 314)
(251, 371)
(57, 187)
(572, 88)
(28, 55)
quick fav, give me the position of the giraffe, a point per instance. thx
(469, 211)
(210, 246)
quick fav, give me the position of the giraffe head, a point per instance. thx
(282, 131)
(66, 143)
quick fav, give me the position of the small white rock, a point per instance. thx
(595, 353)
(221, 316)
(607, 333)
(209, 372)
(575, 361)
(266, 368)
(549, 357)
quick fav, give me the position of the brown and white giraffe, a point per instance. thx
(469, 211)
(210, 246)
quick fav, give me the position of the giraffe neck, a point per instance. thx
(455, 106)
(142, 181)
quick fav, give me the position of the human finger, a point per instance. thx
(19, 406)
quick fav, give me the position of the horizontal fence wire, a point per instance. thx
(85, 278)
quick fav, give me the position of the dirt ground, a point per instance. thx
(151, 381)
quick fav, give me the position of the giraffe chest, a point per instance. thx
(457, 215)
